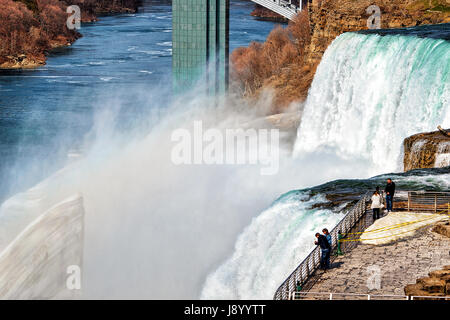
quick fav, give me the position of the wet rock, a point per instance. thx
(426, 150)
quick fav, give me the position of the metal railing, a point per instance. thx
(422, 200)
(310, 264)
(357, 296)
(403, 200)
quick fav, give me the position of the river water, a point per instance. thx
(157, 230)
(45, 113)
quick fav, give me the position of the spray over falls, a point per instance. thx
(158, 229)
(369, 93)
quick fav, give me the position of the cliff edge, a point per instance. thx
(426, 150)
(287, 61)
(31, 28)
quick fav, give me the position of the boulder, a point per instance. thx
(415, 290)
(439, 274)
(426, 150)
(442, 228)
(432, 285)
(447, 280)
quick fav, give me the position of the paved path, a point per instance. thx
(399, 263)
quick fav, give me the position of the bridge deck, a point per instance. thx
(286, 8)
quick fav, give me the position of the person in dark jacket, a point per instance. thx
(389, 190)
(326, 249)
(328, 236)
(330, 241)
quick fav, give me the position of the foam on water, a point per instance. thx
(157, 230)
(368, 94)
(371, 91)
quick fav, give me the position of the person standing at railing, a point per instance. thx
(390, 191)
(382, 199)
(326, 249)
(330, 241)
(377, 204)
(328, 236)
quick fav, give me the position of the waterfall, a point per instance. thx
(370, 92)
(154, 229)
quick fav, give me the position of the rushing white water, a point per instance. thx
(156, 230)
(443, 155)
(280, 237)
(370, 92)
(273, 244)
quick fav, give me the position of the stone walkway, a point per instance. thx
(396, 264)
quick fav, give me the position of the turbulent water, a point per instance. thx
(97, 121)
(273, 245)
(157, 230)
(368, 94)
(372, 91)
(49, 111)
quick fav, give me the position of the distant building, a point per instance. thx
(200, 44)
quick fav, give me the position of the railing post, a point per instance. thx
(435, 203)
(287, 289)
(339, 251)
(409, 200)
(301, 275)
(307, 269)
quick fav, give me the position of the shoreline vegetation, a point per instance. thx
(286, 62)
(31, 28)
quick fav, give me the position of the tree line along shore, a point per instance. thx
(31, 28)
(286, 62)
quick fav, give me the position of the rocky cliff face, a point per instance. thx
(436, 284)
(327, 20)
(426, 150)
(330, 18)
(31, 28)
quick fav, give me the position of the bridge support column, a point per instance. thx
(200, 44)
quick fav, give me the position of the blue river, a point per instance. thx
(45, 112)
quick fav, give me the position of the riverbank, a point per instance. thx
(49, 109)
(299, 47)
(31, 29)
